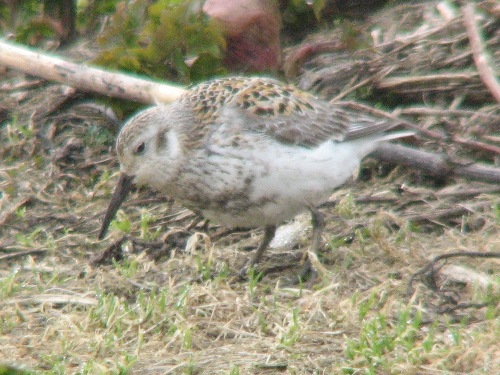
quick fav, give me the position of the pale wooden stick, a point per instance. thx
(87, 78)
(485, 71)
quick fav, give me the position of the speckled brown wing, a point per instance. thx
(286, 114)
(280, 111)
(204, 102)
(207, 98)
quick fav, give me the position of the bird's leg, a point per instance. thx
(269, 232)
(318, 224)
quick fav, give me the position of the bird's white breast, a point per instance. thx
(283, 180)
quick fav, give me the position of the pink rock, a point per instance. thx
(252, 31)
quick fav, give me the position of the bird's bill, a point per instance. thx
(121, 191)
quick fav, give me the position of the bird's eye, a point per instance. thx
(139, 149)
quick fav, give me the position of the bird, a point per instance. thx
(247, 152)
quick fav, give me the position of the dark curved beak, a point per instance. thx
(122, 189)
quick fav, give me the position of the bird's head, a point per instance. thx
(149, 146)
(150, 152)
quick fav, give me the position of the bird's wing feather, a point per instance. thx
(286, 114)
(277, 110)
(365, 121)
(295, 117)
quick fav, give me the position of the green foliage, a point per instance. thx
(105, 310)
(122, 223)
(89, 13)
(98, 136)
(339, 241)
(182, 298)
(298, 18)
(303, 6)
(168, 39)
(496, 212)
(31, 21)
(21, 212)
(128, 268)
(205, 267)
(301, 17)
(188, 338)
(28, 239)
(17, 131)
(317, 6)
(8, 285)
(12, 15)
(33, 31)
(24, 19)
(146, 233)
(292, 335)
(380, 339)
(346, 208)
(253, 280)
(9, 370)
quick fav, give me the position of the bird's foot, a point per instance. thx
(307, 273)
(249, 272)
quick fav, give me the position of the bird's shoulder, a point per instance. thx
(265, 105)
(207, 98)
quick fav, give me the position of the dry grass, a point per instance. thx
(187, 313)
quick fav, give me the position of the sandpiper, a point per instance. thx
(246, 152)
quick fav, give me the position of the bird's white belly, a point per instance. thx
(278, 181)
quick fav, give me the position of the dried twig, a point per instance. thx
(430, 111)
(86, 78)
(462, 306)
(113, 252)
(25, 85)
(22, 253)
(440, 80)
(427, 273)
(486, 73)
(468, 192)
(446, 213)
(474, 145)
(57, 299)
(7, 215)
(436, 165)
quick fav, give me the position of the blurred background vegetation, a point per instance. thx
(165, 39)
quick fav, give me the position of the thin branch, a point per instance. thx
(7, 215)
(436, 165)
(440, 79)
(87, 78)
(474, 145)
(446, 213)
(468, 192)
(486, 73)
(428, 271)
(383, 73)
(430, 111)
(18, 254)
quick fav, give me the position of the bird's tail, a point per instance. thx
(366, 122)
(395, 135)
